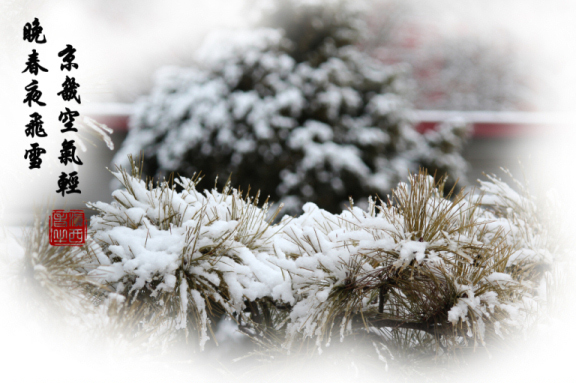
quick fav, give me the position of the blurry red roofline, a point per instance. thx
(486, 124)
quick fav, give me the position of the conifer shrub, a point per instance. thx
(426, 273)
(293, 107)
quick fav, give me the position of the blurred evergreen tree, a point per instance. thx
(292, 108)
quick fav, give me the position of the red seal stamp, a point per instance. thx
(67, 228)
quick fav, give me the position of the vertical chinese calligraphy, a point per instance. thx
(33, 34)
(68, 183)
(66, 228)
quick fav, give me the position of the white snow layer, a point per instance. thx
(223, 242)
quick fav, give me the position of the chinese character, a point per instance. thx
(69, 181)
(34, 127)
(68, 152)
(59, 219)
(68, 119)
(33, 94)
(32, 32)
(69, 90)
(68, 54)
(77, 236)
(34, 155)
(76, 218)
(67, 228)
(33, 63)
(58, 237)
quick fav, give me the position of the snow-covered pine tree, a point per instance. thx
(296, 110)
(420, 276)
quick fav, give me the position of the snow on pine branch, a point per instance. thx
(443, 270)
(185, 252)
(419, 261)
